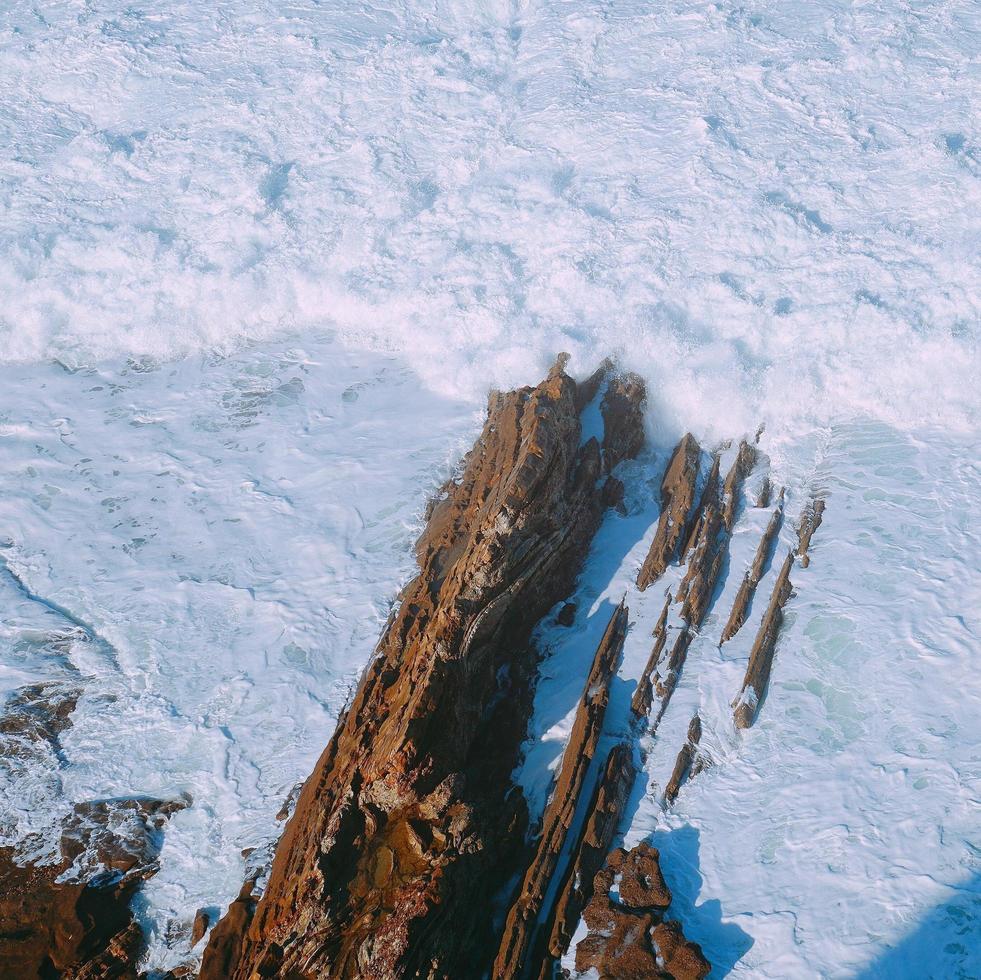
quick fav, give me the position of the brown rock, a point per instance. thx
(745, 461)
(201, 924)
(677, 497)
(642, 886)
(628, 939)
(516, 949)
(420, 764)
(684, 761)
(623, 419)
(82, 927)
(751, 579)
(576, 885)
(761, 656)
(682, 960)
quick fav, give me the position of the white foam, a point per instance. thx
(350, 220)
(780, 199)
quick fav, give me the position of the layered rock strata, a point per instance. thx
(410, 823)
(751, 578)
(677, 497)
(517, 956)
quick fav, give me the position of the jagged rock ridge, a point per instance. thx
(410, 823)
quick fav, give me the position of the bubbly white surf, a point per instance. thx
(260, 262)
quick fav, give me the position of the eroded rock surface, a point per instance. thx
(70, 916)
(517, 955)
(629, 937)
(410, 823)
(677, 496)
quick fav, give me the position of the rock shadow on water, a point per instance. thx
(723, 943)
(944, 945)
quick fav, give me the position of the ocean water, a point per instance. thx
(260, 264)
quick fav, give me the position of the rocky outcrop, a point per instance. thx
(598, 830)
(761, 656)
(517, 956)
(746, 705)
(623, 419)
(686, 756)
(410, 823)
(629, 937)
(810, 521)
(643, 698)
(752, 576)
(677, 497)
(68, 915)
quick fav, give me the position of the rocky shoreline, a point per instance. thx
(410, 851)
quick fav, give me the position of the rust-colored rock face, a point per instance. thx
(629, 938)
(409, 824)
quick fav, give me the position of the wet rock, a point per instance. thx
(684, 761)
(82, 927)
(514, 958)
(70, 916)
(677, 497)
(410, 824)
(200, 925)
(587, 390)
(751, 578)
(629, 939)
(761, 656)
(745, 461)
(623, 419)
(810, 521)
